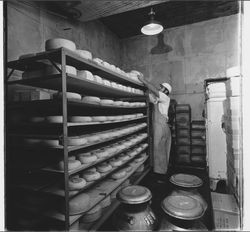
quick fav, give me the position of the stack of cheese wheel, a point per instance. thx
(87, 158)
(92, 215)
(91, 99)
(72, 164)
(119, 174)
(84, 54)
(106, 202)
(85, 75)
(69, 95)
(76, 183)
(79, 204)
(56, 43)
(91, 175)
(104, 167)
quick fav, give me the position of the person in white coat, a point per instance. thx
(162, 134)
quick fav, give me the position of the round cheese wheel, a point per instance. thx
(132, 153)
(91, 176)
(49, 142)
(93, 138)
(84, 54)
(126, 104)
(106, 64)
(72, 164)
(76, 141)
(91, 99)
(76, 183)
(86, 158)
(104, 136)
(36, 119)
(119, 117)
(107, 102)
(98, 79)
(54, 119)
(99, 118)
(85, 74)
(80, 119)
(107, 83)
(124, 158)
(104, 167)
(115, 162)
(118, 103)
(106, 202)
(128, 168)
(139, 159)
(140, 169)
(69, 95)
(98, 61)
(93, 169)
(56, 43)
(111, 149)
(72, 157)
(92, 215)
(119, 175)
(78, 204)
(111, 118)
(114, 85)
(101, 153)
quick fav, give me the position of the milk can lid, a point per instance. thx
(182, 207)
(186, 180)
(134, 194)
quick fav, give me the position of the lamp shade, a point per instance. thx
(152, 27)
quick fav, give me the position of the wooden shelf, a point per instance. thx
(75, 61)
(107, 212)
(71, 103)
(101, 192)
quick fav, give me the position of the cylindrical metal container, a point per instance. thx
(135, 212)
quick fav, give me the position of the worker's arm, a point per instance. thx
(151, 87)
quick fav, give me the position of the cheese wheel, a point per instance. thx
(36, 119)
(118, 103)
(91, 176)
(101, 153)
(85, 74)
(69, 95)
(104, 136)
(93, 138)
(126, 104)
(139, 159)
(128, 168)
(132, 153)
(91, 99)
(106, 64)
(49, 142)
(111, 118)
(76, 183)
(104, 167)
(111, 150)
(119, 175)
(106, 202)
(93, 169)
(99, 118)
(114, 84)
(72, 164)
(56, 43)
(54, 119)
(76, 141)
(92, 215)
(98, 79)
(86, 158)
(72, 157)
(107, 83)
(107, 102)
(78, 204)
(98, 61)
(115, 162)
(84, 54)
(140, 169)
(124, 158)
(80, 119)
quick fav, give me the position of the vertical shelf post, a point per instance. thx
(65, 137)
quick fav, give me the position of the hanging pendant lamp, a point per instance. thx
(152, 27)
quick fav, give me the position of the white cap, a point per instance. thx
(167, 86)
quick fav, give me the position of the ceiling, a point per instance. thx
(125, 17)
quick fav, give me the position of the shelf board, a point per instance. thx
(71, 102)
(85, 166)
(107, 212)
(70, 148)
(101, 192)
(74, 60)
(74, 84)
(72, 124)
